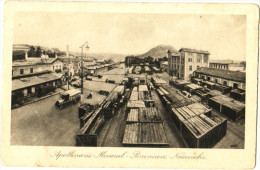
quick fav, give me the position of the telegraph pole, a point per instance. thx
(82, 68)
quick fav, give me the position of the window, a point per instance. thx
(53, 67)
(199, 57)
(190, 68)
(189, 59)
(12, 72)
(205, 58)
(182, 60)
(31, 70)
(21, 71)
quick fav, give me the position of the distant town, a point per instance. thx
(162, 98)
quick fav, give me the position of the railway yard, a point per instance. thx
(154, 111)
(139, 110)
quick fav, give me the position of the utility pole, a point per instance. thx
(85, 45)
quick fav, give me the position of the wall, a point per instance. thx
(188, 73)
(230, 83)
(57, 65)
(36, 68)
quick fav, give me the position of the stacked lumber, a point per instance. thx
(143, 95)
(143, 88)
(203, 132)
(133, 115)
(227, 106)
(174, 96)
(134, 94)
(135, 104)
(196, 125)
(144, 134)
(148, 114)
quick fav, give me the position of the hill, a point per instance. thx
(159, 51)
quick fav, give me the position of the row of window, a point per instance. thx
(31, 69)
(198, 60)
(190, 68)
(22, 71)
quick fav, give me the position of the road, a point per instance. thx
(42, 124)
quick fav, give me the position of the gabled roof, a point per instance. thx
(32, 81)
(194, 51)
(226, 74)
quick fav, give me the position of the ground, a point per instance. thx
(42, 124)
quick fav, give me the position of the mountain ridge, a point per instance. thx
(159, 51)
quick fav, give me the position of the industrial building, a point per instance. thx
(183, 63)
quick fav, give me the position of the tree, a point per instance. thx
(148, 59)
(38, 52)
(243, 63)
(31, 52)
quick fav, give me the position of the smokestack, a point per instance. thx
(67, 54)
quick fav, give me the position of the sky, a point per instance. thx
(224, 36)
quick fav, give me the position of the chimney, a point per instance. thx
(26, 55)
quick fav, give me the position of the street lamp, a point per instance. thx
(85, 45)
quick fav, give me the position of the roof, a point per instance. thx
(32, 81)
(174, 53)
(35, 61)
(194, 51)
(228, 102)
(193, 86)
(221, 61)
(226, 74)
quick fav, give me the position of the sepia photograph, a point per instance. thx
(129, 80)
(147, 80)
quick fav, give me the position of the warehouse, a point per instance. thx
(233, 79)
(37, 84)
